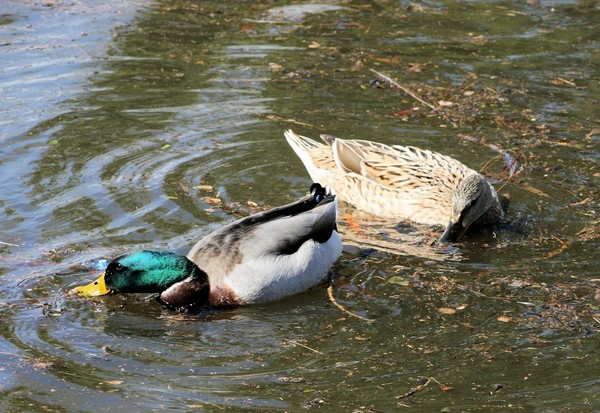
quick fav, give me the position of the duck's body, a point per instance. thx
(401, 182)
(260, 258)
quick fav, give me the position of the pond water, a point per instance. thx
(146, 125)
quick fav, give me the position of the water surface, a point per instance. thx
(148, 124)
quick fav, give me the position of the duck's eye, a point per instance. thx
(472, 203)
(119, 267)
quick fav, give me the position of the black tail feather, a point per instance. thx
(318, 192)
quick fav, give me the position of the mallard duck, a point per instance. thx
(401, 182)
(260, 258)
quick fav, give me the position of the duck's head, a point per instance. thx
(178, 280)
(471, 199)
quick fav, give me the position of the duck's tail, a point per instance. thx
(303, 146)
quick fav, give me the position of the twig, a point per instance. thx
(466, 87)
(565, 81)
(9, 244)
(592, 132)
(413, 390)
(442, 387)
(505, 182)
(487, 164)
(460, 92)
(422, 386)
(332, 299)
(559, 250)
(302, 345)
(560, 240)
(402, 88)
(510, 167)
(278, 118)
(573, 194)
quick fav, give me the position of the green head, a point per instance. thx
(147, 272)
(179, 281)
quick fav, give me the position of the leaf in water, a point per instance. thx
(53, 142)
(314, 45)
(204, 187)
(446, 310)
(42, 364)
(388, 60)
(165, 146)
(275, 67)
(398, 281)
(212, 200)
(115, 382)
(54, 313)
(504, 319)
(287, 379)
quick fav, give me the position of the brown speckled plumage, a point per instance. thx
(402, 182)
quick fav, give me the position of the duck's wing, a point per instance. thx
(350, 155)
(405, 168)
(279, 231)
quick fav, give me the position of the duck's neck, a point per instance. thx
(190, 289)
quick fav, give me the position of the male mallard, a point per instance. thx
(401, 182)
(263, 257)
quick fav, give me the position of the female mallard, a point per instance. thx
(263, 257)
(401, 182)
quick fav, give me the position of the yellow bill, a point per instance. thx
(93, 289)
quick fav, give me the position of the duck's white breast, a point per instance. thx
(271, 277)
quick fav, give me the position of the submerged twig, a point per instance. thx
(406, 90)
(332, 299)
(506, 182)
(422, 386)
(278, 118)
(488, 164)
(302, 345)
(414, 390)
(564, 245)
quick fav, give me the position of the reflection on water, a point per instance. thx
(149, 125)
